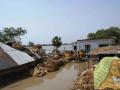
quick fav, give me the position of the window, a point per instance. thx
(87, 48)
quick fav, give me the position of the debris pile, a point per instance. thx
(68, 55)
(49, 65)
(36, 51)
(84, 81)
(39, 71)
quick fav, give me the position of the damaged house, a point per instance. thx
(12, 60)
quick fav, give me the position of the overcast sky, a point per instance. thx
(70, 19)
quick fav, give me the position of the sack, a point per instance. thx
(107, 73)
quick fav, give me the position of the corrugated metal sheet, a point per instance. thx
(106, 50)
(18, 56)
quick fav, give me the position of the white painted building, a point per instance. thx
(84, 45)
(88, 45)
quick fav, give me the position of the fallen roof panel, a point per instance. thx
(18, 56)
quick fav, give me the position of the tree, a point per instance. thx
(91, 36)
(3, 38)
(20, 32)
(112, 32)
(11, 34)
(30, 44)
(56, 42)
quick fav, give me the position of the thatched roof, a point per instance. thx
(106, 50)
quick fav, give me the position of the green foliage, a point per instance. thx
(56, 41)
(112, 32)
(91, 36)
(30, 44)
(11, 34)
(3, 38)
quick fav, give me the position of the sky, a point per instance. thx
(69, 19)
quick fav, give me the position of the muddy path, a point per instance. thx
(59, 80)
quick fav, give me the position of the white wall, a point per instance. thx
(93, 43)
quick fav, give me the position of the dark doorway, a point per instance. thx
(75, 48)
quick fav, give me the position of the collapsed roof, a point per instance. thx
(10, 57)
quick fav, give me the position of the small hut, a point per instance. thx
(12, 60)
(101, 52)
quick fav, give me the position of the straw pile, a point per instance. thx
(106, 50)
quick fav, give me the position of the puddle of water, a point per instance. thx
(59, 80)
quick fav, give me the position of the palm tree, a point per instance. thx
(56, 42)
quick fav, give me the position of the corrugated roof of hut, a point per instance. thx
(5, 60)
(10, 57)
(106, 50)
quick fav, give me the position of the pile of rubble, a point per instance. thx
(49, 65)
(39, 71)
(52, 65)
(84, 81)
(68, 55)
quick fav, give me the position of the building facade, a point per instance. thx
(87, 45)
